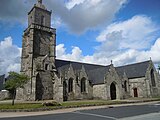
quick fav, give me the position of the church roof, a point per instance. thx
(96, 73)
(2, 79)
(133, 70)
(76, 65)
(96, 76)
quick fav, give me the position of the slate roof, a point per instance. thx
(136, 70)
(2, 79)
(96, 76)
(96, 73)
(76, 65)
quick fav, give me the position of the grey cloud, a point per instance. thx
(9, 56)
(83, 17)
(13, 10)
(79, 19)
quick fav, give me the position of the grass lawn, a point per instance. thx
(63, 105)
(68, 104)
(20, 106)
(91, 102)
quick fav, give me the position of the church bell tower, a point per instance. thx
(38, 54)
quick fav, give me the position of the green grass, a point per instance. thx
(90, 103)
(83, 103)
(20, 106)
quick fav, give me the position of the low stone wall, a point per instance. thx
(4, 95)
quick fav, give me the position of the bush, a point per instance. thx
(52, 103)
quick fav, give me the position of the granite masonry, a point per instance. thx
(62, 80)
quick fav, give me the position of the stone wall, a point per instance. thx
(141, 85)
(76, 76)
(4, 95)
(100, 92)
(154, 90)
(57, 88)
(113, 77)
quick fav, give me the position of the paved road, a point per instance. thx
(137, 112)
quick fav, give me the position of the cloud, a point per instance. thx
(9, 56)
(75, 55)
(119, 57)
(78, 15)
(83, 15)
(13, 12)
(72, 3)
(154, 53)
(125, 42)
(139, 30)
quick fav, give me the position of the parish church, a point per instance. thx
(62, 80)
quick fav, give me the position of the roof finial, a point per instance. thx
(40, 1)
(150, 58)
(111, 62)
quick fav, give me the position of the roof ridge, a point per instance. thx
(82, 63)
(100, 67)
(133, 64)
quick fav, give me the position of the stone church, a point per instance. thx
(63, 80)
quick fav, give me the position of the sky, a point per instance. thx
(90, 31)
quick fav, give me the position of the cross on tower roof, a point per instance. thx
(111, 62)
(40, 1)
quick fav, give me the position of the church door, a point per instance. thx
(65, 94)
(135, 92)
(113, 91)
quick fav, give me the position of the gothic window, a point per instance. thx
(77, 78)
(135, 90)
(125, 86)
(83, 85)
(42, 20)
(152, 78)
(46, 66)
(70, 85)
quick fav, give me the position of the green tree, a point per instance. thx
(158, 68)
(15, 81)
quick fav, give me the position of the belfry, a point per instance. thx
(38, 54)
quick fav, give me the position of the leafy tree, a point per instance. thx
(158, 68)
(15, 80)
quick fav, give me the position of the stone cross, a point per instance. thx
(111, 62)
(40, 1)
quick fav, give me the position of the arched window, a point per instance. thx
(125, 86)
(70, 85)
(135, 90)
(153, 78)
(83, 85)
(113, 92)
(46, 66)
